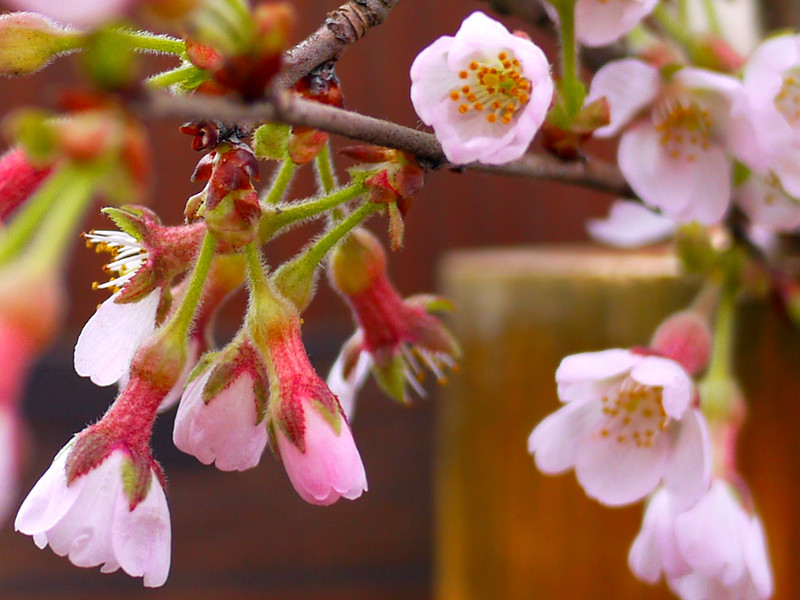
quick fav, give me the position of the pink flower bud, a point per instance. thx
(685, 338)
(19, 178)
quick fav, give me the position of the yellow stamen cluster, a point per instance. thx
(788, 99)
(685, 128)
(495, 87)
(635, 415)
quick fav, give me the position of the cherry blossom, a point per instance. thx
(676, 157)
(602, 22)
(485, 91)
(713, 551)
(630, 225)
(76, 12)
(220, 423)
(627, 424)
(92, 521)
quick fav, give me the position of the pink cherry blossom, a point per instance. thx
(630, 225)
(76, 12)
(715, 550)
(485, 91)
(226, 427)
(91, 521)
(627, 424)
(19, 178)
(766, 203)
(602, 22)
(676, 156)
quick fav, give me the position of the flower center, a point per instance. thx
(788, 99)
(635, 415)
(127, 256)
(685, 128)
(495, 87)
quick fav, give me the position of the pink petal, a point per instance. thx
(478, 35)
(685, 190)
(598, 23)
(655, 548)
(77, 12)
(629, 85)
(688, 472)
(616, 473)
(554, 442)
(588, 375)
(757, 558)
(432, 79)
(141, 538)
(111, 337)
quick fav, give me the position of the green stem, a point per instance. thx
(273, 222)
(181, 321)
(324, 170)
(569, 54)
(712, 17)
(672, 27)
(281, 182)
(314, 255)
(151, 42)
(255, 269)
(683, 14)
(14, 237)
(180, 74)
(722, 350)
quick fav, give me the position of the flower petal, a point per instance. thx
(599, 23)
(111, 337)
(554, 442)
(630, 225)
(688, 472)
(677, 387)
(345, 388)
(615, 473)
(586, 375)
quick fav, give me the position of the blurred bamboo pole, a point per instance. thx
(780, 13)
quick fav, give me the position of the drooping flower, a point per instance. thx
(310, 431)
(396, 334)
(485, 91)
(602, 22)
(89, 517)
(713, 551)
(630, 225)
(764, 200)
(677, 156)
(219, 417)
(627, 424)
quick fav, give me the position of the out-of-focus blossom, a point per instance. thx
(676, 156)
(715, 550)
(485, 91)
(346, 377)
(19, 178)
(92, 520)
(766, 203)
(602, 22)
(627, 425)
(75, 12)
(630, 225)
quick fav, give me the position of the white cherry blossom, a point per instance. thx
(627, 424)
(485, 91)
(630, 225)
(602, 22)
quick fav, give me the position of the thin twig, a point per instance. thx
(344, 26)
(293, 110)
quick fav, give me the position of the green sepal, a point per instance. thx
(296, 280)
(137, 478)
(203, 363)
(741, 173)
(431, 302)
(128, 219)
(271, 141)
(391, 378)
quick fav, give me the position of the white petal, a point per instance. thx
(630, 225)
(111, 337)
(346, 388)
(768, 205)
(555, 441)
(141, 538)
(677, 387)
(50, 499)
(599, 23)
(629, 85)
(655, 548)
(685, 190)
(479, 34)
(10, 431)
(588, 375)
(616, 473)
(192, 354)
(709, 535)
(688, 471)
(432, 79)
(757, 558)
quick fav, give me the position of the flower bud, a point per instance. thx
(29, 42)
(19, 178)
(685, 337)
(356, 263)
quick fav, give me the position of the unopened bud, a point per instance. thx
(357, 262)
(29, 42)
(685, 337)
(273, 22)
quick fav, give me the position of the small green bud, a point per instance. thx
(272, 141)
(29, 42)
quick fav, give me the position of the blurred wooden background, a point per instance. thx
(248, 535)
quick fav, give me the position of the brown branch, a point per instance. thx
(344, 26)
(293, 110)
